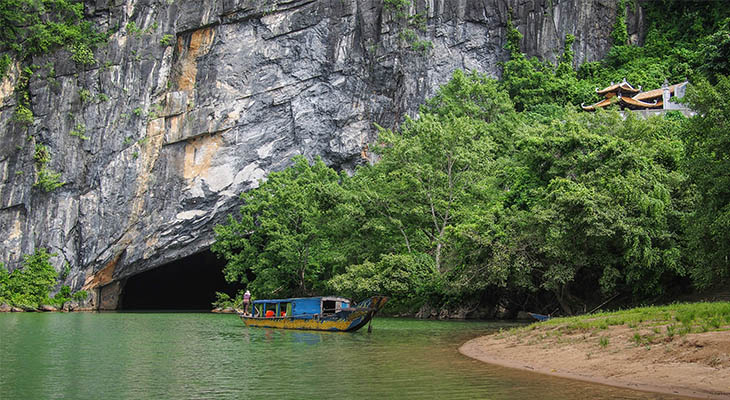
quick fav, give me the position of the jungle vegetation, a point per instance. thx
(500, 194)
(31, 285)
(504, 194)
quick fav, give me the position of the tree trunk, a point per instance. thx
(563, 299)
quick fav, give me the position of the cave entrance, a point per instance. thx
(186, 284)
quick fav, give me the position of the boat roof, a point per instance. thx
(295, 299)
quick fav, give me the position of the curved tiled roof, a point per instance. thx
(624, 86)
(627, 97)
(632, 102)
(600, 104)
(657, 92)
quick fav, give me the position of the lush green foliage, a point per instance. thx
(588, 201)
(29, 285)
(531, 82)
(5, 62)
(32, 27)
(503, 193)
(620, 34)
(473, 197)
(708, 163)
(282, 234)
(397, 5)
(223, 300)
(651, 325)
(23, 114)
(684, 40)
(48, 180)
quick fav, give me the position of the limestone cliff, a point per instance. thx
(192, 102)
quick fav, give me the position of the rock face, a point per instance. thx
(192, 102)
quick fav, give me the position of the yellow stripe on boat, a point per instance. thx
(309, 324)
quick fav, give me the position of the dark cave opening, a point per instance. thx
(189, 284)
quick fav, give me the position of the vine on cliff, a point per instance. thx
(48, 180)
(33, 27)
(408, 25)
(620, 34)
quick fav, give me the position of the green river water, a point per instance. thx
(213, 356)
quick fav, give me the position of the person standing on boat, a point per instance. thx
(246, 301)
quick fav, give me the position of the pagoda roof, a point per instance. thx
(634, 103)
(657, 92)
(628, 97)
(622, 86)
(600, 104)
(624, 102)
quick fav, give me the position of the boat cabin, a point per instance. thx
(299, 307)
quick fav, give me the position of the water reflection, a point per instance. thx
(148, 355)
(309, 338)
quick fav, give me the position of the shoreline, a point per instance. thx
(626, 367)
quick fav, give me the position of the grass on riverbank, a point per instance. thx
(650, 324)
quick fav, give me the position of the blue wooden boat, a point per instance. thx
(539, 317)
(326, 313)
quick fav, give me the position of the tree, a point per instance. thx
(407, 278)
(432, 169)
(30, 284)
(430, 176)
(282, 235)
(713, 52)
(472, 95)
(532, 83)
(708, 164)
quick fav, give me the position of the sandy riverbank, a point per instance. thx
(695, 364)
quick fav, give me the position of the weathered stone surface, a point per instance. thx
(4, 307)
(179, 125)
(74, 305)
(47, 308)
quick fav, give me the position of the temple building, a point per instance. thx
(629, 98)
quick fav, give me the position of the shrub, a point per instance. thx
(167, 40)
(82, 54)
(48, 180)
(84, 95)
(63, 295)
(5, 62)
(23, 115)
(223, 300)
(79, 131)
(81, 295)
(399, 6)
(30, 284)
(133, 29)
